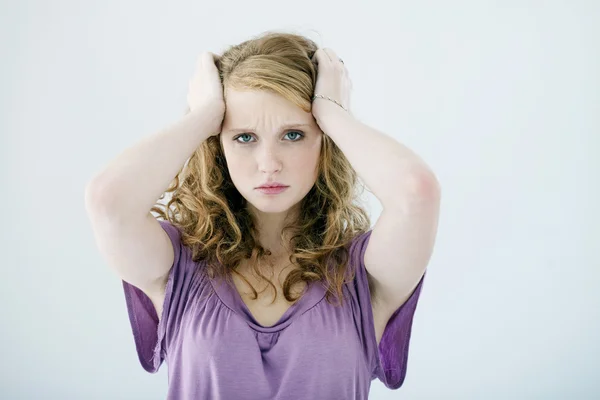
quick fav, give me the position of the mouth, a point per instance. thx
(269, 185)
(272, 189)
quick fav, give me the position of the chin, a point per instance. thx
(271, 204)
(271, 210)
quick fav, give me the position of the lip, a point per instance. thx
(272, 185)
(272, 190)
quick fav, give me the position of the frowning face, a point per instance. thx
(266, 138)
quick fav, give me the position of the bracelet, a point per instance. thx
(328, 98)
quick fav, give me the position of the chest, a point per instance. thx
(270, 304)
(267, 309)
(223, 345)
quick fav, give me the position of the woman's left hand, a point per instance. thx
(332, 81)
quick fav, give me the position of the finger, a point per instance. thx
(206, 57)
(198, 63)
(335, 60)
(321, 57)
(332, 56)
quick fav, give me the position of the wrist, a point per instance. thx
(209, 116)
(324, 110)
(320, 96)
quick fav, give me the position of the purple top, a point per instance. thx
(215, 349)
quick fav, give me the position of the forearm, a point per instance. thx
(395, 174)
(132, 182)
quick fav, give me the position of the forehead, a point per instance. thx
(261, 109)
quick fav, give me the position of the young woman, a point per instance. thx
(262, 279)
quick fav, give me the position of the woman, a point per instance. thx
(269, 112)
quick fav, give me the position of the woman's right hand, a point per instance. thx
(205, 90)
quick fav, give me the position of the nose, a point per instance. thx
(269, 160)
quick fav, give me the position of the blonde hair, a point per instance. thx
(212, 214)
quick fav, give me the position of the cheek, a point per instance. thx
(305, 164)
(310, 153)
(237, 166)
(235, 158)
(302, 159)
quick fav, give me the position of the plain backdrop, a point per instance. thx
(502, 100)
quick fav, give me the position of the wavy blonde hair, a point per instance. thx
(210, 212)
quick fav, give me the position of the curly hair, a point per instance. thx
(210, 212)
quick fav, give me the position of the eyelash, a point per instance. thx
(301, 135)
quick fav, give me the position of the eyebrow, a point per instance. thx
(281, 128)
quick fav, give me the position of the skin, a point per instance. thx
(258, 149)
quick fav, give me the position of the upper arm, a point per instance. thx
(400, 248)
(137, 249)
(385, 337)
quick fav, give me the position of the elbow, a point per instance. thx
(97, 197)
(423, 185)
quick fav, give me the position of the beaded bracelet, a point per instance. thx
(329, 98)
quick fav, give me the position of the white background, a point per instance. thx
(502, 100)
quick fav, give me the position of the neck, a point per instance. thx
(270, 226)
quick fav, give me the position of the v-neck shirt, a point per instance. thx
(215, 349)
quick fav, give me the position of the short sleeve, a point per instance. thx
(389, 360)
(149, 334)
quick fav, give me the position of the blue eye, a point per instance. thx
(243, 134)
(298, 134)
